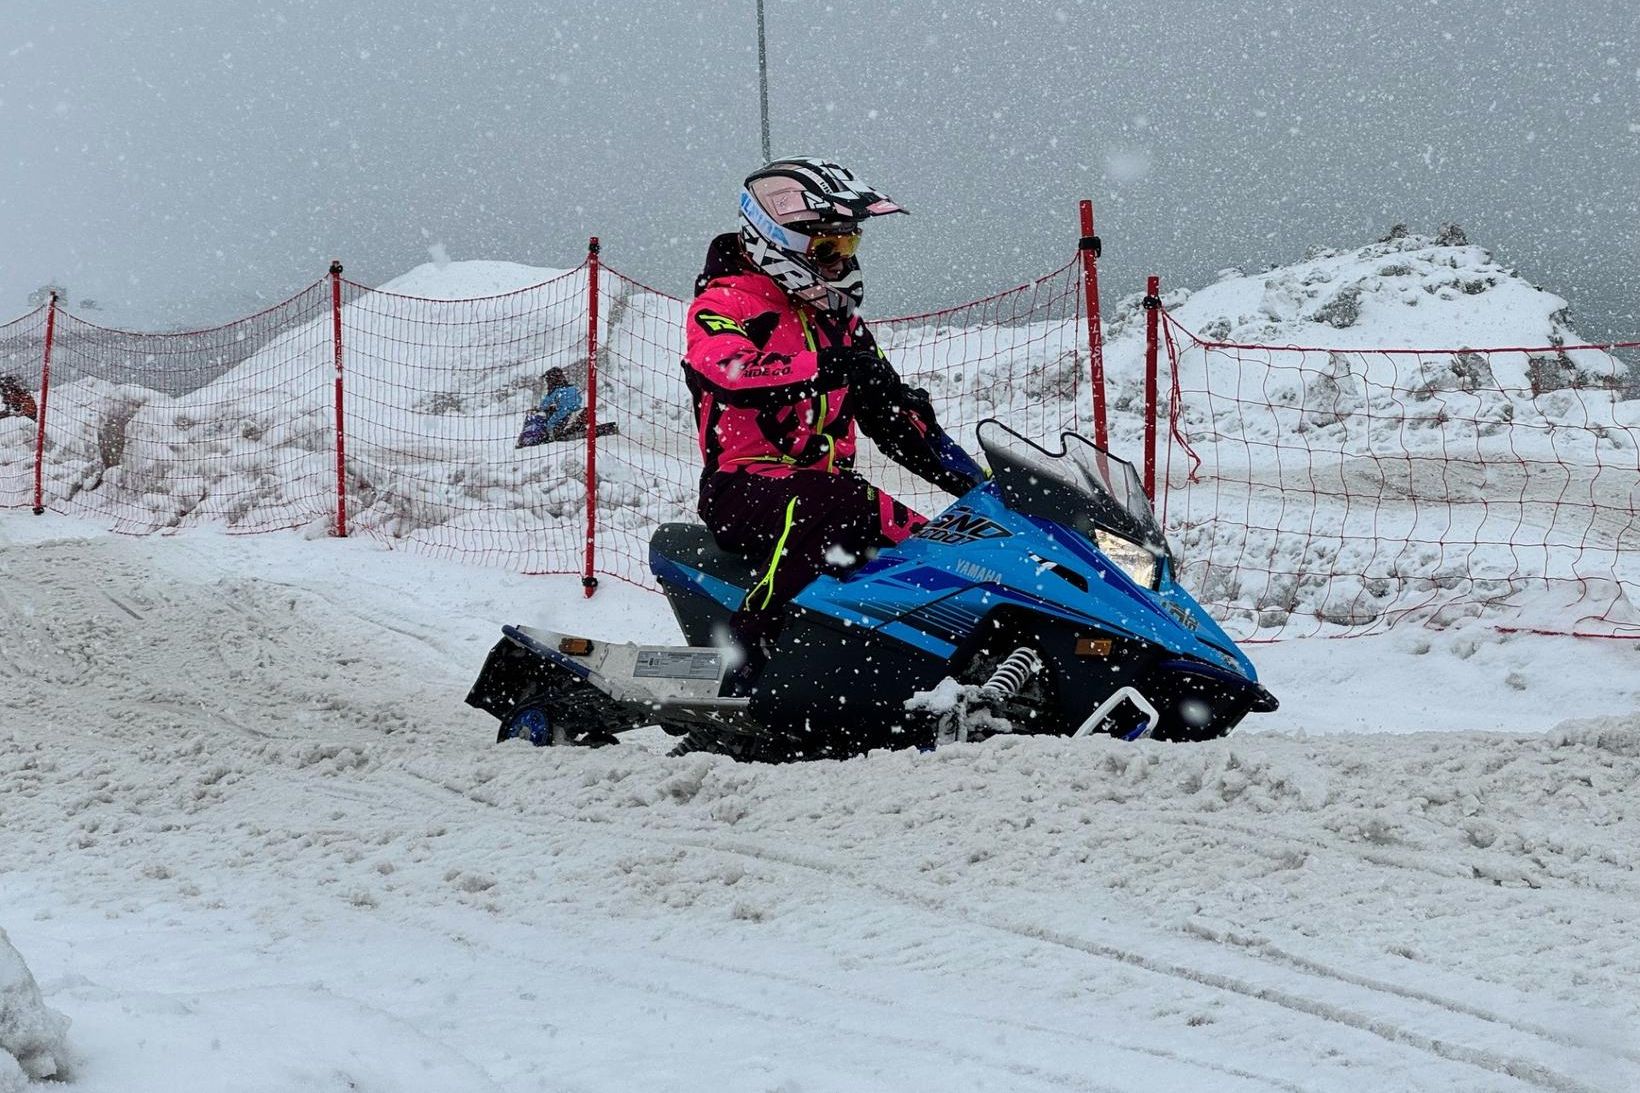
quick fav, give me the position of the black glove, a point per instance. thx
(899, 418)
(849, 367)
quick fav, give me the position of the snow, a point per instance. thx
(471, 280)
(251, 839)
(31, 1033)
(1407, 291)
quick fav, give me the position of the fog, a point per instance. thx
(182, 161)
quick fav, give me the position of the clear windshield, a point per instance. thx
(1081, 486)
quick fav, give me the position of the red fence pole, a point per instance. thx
(1153, 314)
(341, 434)
(589, 581)
(1090, 248)
(40, 410)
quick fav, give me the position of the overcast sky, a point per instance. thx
(185, 160)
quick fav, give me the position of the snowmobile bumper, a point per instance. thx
(596, 689)
(1201, 701)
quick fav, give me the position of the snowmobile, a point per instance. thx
(1044, 600)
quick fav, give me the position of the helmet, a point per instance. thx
(800, 224)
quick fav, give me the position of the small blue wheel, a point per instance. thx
(530, 722)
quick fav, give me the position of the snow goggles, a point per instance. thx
(833, 246)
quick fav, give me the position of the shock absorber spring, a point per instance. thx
(1012, 673)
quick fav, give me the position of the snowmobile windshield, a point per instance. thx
(1081, 486)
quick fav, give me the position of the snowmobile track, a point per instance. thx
(437, 789)
(1510, 1065)
(1355, 1014)
(1274, 953)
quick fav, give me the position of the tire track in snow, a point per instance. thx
(1272, 952)
(437, 789)
(1411, 860)
(1348, 855)
(422, 916)
(1078, 1037)
(939, 1050)
(1515, 1065)
(1512, 1066)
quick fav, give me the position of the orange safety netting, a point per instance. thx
(153, 431)
(1308, 491)
(1021, 355)
(434, 402)
(1335, 491)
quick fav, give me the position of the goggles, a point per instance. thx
(833, 246)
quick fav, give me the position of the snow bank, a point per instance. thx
(1405, 293)
(1408, 290)
(32, 1035)
(469, 280)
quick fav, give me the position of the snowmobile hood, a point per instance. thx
(980, 555)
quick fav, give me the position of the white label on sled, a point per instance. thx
(677, 663)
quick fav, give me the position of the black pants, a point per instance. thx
(794, 528)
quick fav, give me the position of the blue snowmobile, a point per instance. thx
(1042, 601)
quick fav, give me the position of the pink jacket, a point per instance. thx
(763, 402)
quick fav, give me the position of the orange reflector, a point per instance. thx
(575, 647)
(1093, 647)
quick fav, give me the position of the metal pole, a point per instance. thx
(763, 79)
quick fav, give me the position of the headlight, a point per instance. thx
(1133, 559)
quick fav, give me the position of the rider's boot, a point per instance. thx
(752, 634)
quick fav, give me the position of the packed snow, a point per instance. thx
(251, 839)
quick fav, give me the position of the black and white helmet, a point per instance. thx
(800, 222)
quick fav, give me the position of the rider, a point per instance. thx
(781, 369)
(15, 399)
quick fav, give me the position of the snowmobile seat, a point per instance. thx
(692, 545)
(677, 553)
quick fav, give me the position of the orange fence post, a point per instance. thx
(1090, 248)
(40, 410)
(1153, 309)
(341, 435)
(589, 581)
